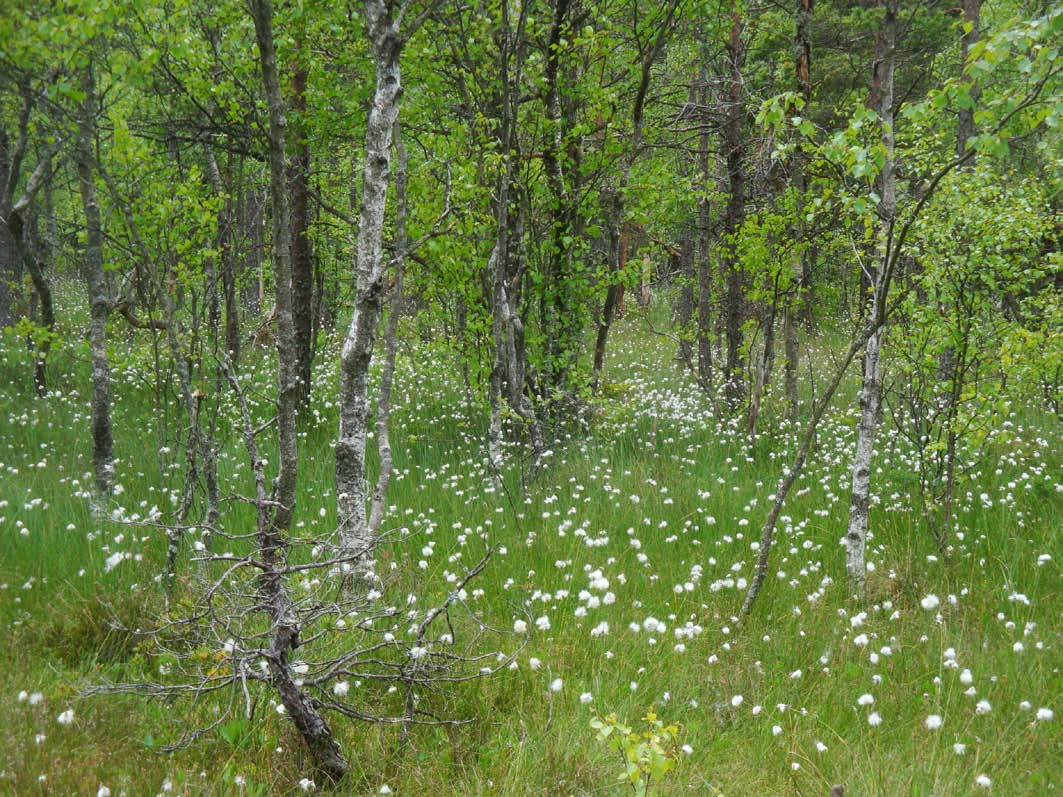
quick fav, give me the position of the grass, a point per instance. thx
(662, 499)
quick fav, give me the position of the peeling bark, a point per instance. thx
(391, 341)
(355, 538)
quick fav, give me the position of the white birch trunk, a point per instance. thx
(871, 389)
(860, 496)
(355, 538)
(387, 376)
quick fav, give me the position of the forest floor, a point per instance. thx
(635, 545)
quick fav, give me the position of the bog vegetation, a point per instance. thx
(563, 397)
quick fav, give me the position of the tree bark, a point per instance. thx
(871, 389)
(302, 254)
(735, 214)
(391, 341)
(225, 246)
(796, 295)
(273, 528)
(704, 251)
(21, 237)
(98, 292)
(355, 538)
(791, 474)
(562, 321)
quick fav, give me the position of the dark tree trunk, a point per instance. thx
(273, 531)
(302, 255)
(613, 201)
(796, 295)
(735, 214)
(562, 320)
(704, 248)
(227, 270)
(98, 292)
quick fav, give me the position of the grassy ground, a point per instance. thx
(663, 502)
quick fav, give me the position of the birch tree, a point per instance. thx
(356, 542)
(879, 278)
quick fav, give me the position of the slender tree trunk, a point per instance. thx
(704, 251)
(98, 293)
(791, 474)
(614, 201)
(355, 537)
(225, 247)
(765, 364)
(736, 204)
(871, 389)
(950, 364)
(26, 245)
(38, 274)
(563, 317)
(796, 296)
(391, 341)
(273, 528)
(302, 255)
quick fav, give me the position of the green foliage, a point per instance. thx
(648, 755)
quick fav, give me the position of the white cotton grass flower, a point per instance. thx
(520, 627)
(959, 748)
(984, 781)
(933, 722)
(865, 699)
(586, 698)
(103, 791)
(930, 602)
(307, 785)
(1045, 714)
(983, 707)
(385, 789)
(556, 685)
(736, 701)
(340, 688)
(874, 718)
(66, 718)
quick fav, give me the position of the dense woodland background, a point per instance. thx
(295, 293)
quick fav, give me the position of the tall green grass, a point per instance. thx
(654, 439)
